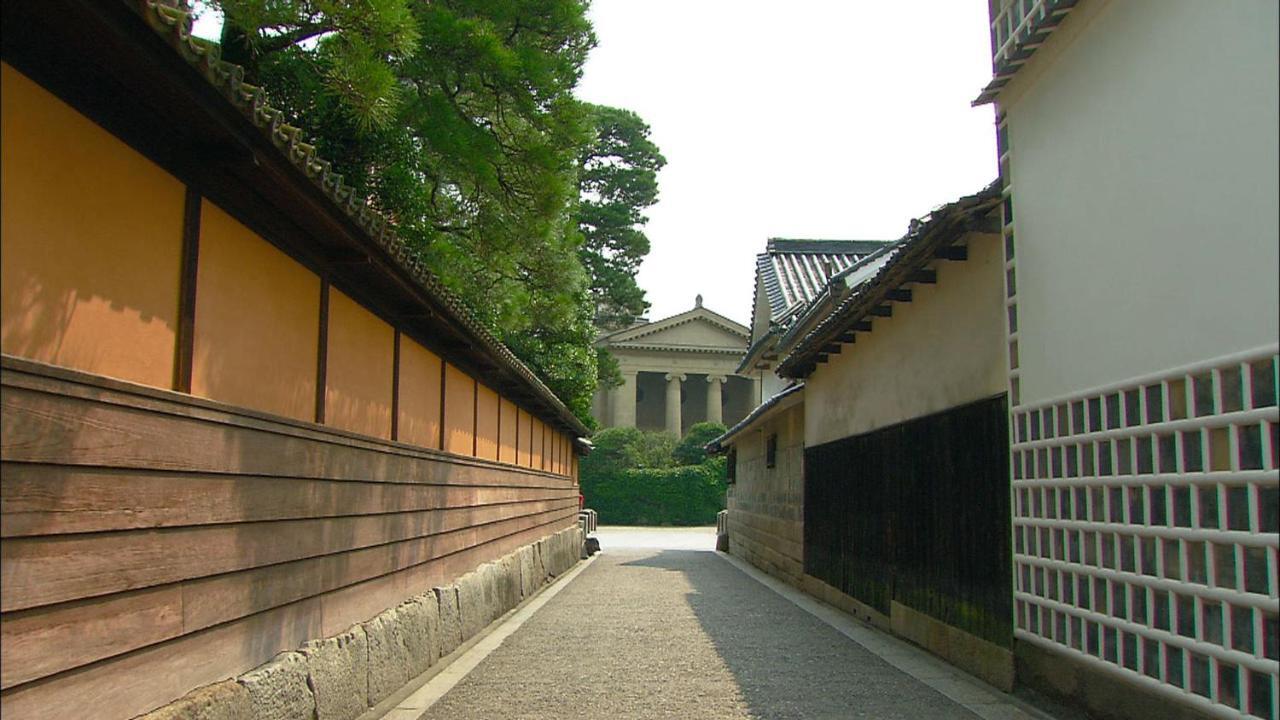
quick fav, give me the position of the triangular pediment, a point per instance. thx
(699, 327)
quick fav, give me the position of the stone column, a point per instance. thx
(673, 402)
(714, 385)
(622, 402)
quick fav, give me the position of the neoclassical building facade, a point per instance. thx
(676, 372)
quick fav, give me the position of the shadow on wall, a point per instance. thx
(787, 663)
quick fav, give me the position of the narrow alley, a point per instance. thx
(660, 625)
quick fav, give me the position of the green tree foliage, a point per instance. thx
(456, 118)
(633, 477)
(690, 450)
(618, 180)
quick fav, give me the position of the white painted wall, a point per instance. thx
(1144, 172)
(943, 349)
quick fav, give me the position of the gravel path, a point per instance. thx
(674, 633)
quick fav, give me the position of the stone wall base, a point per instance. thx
(982, 659)
(341, 677)
(835, 598)
(1102, 694)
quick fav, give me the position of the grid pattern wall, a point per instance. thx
(1145, 531)
(1021, 25)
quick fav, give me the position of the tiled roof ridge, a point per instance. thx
(174, 23)
(819, 245)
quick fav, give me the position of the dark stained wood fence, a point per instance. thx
(153, 542)
(918, 513)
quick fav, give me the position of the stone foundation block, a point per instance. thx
(227, 700)
(420, 628)
(278, 690)
(540, 571)
(338, 668)
(509, 581)
(450, 620)
(491, 572)
(388, 666)
(546, 552)
(529, 581)
(471, 605)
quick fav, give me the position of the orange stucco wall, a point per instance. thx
(92, 243)
(539, 444)
(419, 422)
(553, 450)
(358, 372)
(486, 423)
(507, 414)
(257, 321)
(459, 411)
(524, 431)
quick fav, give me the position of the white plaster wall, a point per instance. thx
(770, 385)
(944, 348)
(1144, 169)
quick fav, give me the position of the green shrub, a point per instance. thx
(690, 450)
(683, 495)
(632, 477)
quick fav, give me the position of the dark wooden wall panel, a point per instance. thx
(918, 513)
(150, 534)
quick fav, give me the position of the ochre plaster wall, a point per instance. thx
(507, 414)
(486, 423)
(420, 370)
(459, 411)
(943, 349)
(92, 247)
(524, 433)
(539, 442)
(359, 369)
(257, 322)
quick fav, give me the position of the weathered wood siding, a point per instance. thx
(154, 542)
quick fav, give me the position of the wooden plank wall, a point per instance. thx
(154, 542)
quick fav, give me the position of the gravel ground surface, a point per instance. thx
(677, 633)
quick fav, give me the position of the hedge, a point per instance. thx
(684, 495)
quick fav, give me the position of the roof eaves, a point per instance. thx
(1029, 38)
(942, 227)
(717, 445)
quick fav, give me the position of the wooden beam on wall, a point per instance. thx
(186, 337)
(952, 252)
(924, 277)
(899, 295)
(882, 311)
(395, 387)
(832, 349)
(862, 326)
(322, 356)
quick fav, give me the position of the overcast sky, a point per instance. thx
(840, 119)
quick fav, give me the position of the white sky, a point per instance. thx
(839, 119)
(810, 119)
